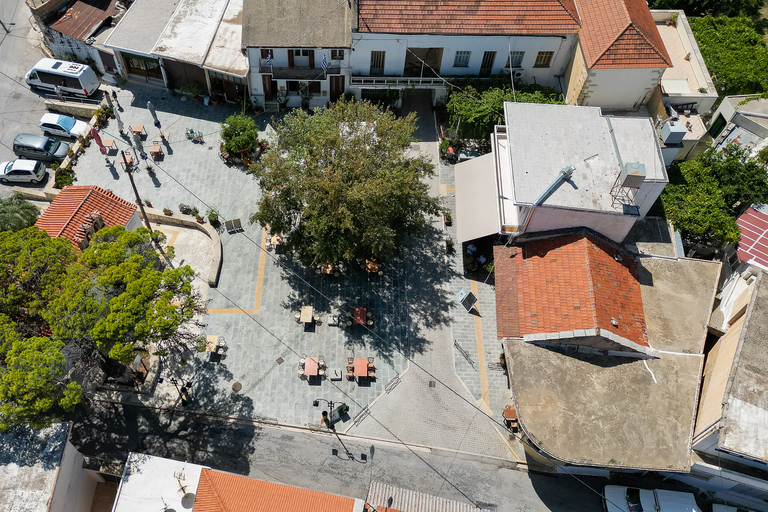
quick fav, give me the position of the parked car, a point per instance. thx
(39, 147)
(631, 499)
(65, 126)
(726, 508)
(22, 170)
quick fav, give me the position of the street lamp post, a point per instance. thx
(326, 414)
(183, 392)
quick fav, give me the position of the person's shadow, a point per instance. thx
(155, 181)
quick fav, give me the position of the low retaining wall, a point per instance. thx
(178, 219)
(72, 109)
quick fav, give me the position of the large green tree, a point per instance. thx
(17, 213)
(341, 185)
(712, 190)
(734, 52)
(699, 7)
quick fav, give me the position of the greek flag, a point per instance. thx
(269, 58)
(324, 65)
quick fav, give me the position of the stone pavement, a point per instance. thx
(434, 408)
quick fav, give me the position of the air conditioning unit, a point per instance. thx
(519, 74)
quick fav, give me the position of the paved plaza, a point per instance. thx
(440, 400)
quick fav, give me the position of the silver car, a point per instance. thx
(22, 171)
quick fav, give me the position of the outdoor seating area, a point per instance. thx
(307, 316)
(359, 316)
(194, 135)
(156, 150)
(215, 344)
(372, 267)
(328, 269)
(311, 367)
(360, 369)
(138, 129)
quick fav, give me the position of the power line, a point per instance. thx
(373, 333)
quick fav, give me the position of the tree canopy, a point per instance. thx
(699, 7)
(17, 213)
(734, 52)
(340, 185)
(114, 298)
(239, 132)
(713, 189)
(474, 113)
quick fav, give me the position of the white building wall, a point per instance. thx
(61, 44)
(396, 45)
(611, 225)
(134, 222)
(73, 491)
(620, 88)
(647, 195)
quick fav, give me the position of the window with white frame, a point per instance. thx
(515, 60)
(461, 60)
(337, 54)
(543, 59)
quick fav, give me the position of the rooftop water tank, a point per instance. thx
(632, 175)
(672, 133)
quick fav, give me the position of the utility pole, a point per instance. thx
(129, 172)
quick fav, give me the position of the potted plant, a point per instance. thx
(185, 209)
(200, 219)
(192, 89)
(305, 95)
(213, 215)
(448, 219)
(282, 100)
(167, 211)
(150, 169)
(110, 112)
(194, 212)
(148, 203)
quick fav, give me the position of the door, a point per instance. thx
(422, 62)
(269, 87)
(337, 86)
(487, 64)
(377, 64)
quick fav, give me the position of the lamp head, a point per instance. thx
(315, 403)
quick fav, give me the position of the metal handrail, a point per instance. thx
(65, 99)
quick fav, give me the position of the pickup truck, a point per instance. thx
(631, 499)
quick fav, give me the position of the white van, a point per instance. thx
(73, 78)
(631, 499)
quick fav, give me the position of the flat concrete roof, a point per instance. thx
(29, 463)
(190, 31)
(744, 429)
(149, 480)
(296, 24)
(757, 106)
(140, 27)
(545, 138)
(224, 54)
(596, 410)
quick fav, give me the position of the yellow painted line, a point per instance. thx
(481, 358)
(259, 285)
(450, 190)
(173, 233)
(260, 275)
(443, 190)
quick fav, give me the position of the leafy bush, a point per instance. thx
(17, 213)
(474, 113)
(699, 7)
(193, 89)
(185, 209)
(734, 52)
(64, 177)
(239, 132)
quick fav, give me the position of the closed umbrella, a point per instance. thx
(151, 109)
(96, 137)
(120, 125)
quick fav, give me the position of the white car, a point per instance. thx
(22, 170)
(65, 126)
(631, 499)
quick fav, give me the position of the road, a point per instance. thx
(20, 108)
(307, 459)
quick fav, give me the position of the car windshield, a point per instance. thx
(8, 167)
(66, 122)
(51, 146)
(633, 500)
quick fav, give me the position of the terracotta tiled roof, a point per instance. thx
(223, 492)
(567, 283)
(71, 207)
(620, 34)
(468, 16)
(753, 244)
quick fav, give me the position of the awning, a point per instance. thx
(477, 198)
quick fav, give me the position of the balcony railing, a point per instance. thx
(298, 72)
(389, 81)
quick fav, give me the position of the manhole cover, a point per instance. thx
(280, 360)
(236, 387)
(432, 384)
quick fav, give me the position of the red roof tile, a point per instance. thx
(73, 204)
(468, 16)
(223, 492)
(84, 17)
(567, 283)
(753, 244)
(620, 34)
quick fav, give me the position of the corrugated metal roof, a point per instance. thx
(406, 500)
(224, 492)
(753, 244)
(84, 18)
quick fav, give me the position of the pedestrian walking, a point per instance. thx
(114, 97)
(151, 109)
(57, 90)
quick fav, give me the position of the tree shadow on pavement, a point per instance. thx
(201, 432)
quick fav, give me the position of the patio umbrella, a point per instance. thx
(97, 138)
(108, 98)
(151, 109)
(137, 144)
(120, 125)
